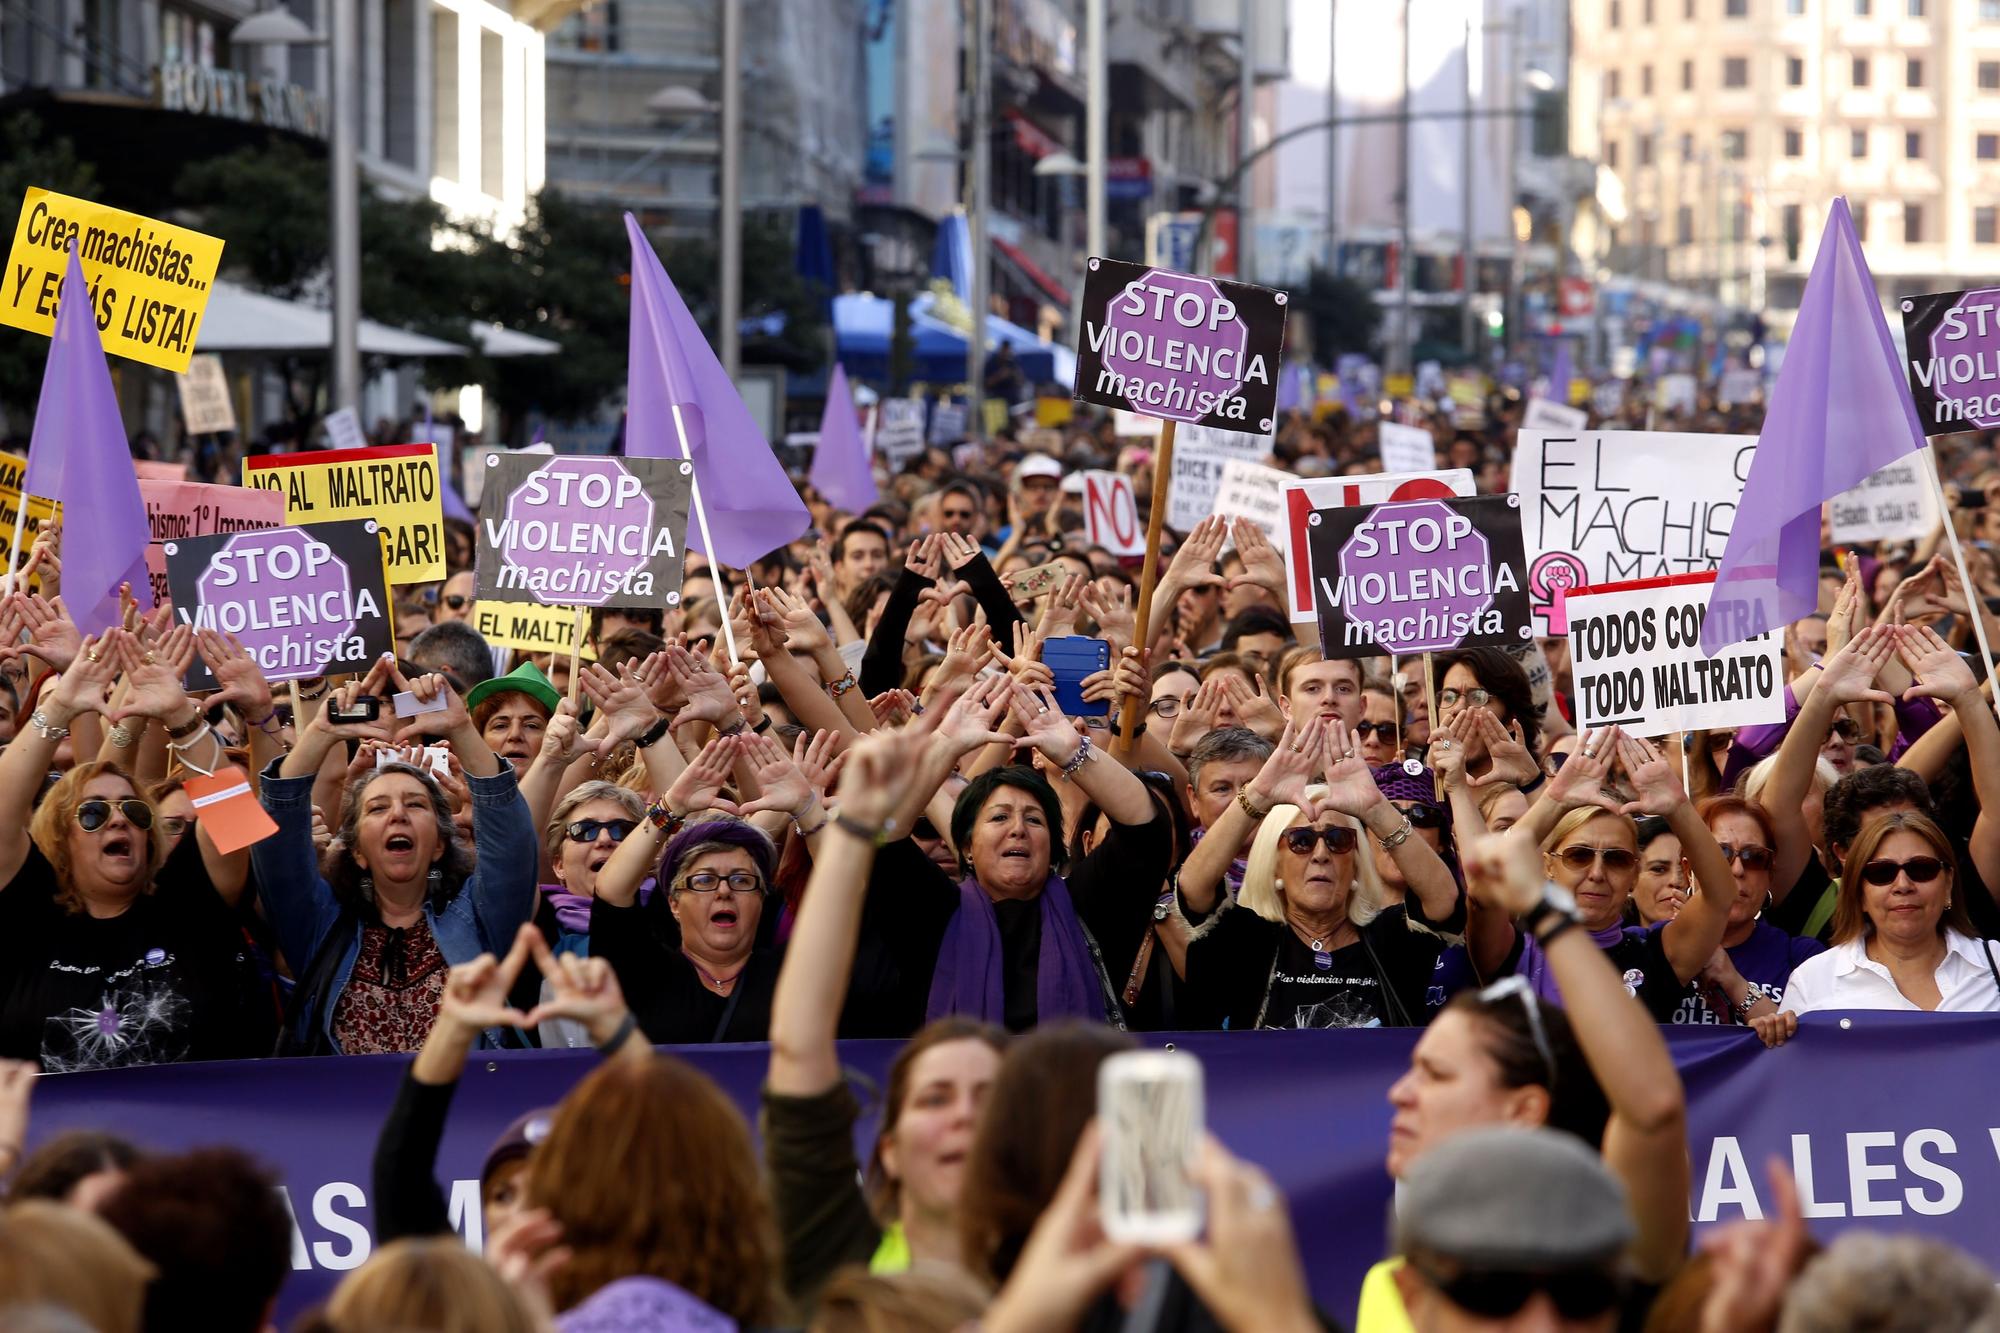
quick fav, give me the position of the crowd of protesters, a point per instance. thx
(875, 820)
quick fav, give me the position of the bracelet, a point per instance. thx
(1399, 837)
(1741, 1012)
(1137, 731)
(1079, 759)
(49, 731)
(818, 828)
(311, 696)
(737, 730)
(620, 1037)
(651, 736)
(268, 724)
(187, 742)
(763, 725)
(875, 837)
(1243, 799)
(122, 736)
(662, 817)
(1548, 936)
(187, 729)
(836, 688)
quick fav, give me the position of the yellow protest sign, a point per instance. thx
(396, 485)
(149, 282)
(13, 468)
(1399, 386)
(529, 626)
(994, 414)
(1054, 411)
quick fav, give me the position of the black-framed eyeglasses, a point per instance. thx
(1475, 697)
(1386, 730)
(95, 813)
(586, 830)
(1577, 1293)
(1920, 869)
(1422, 814)
(1165, 706)
(1339, 840)
(1518, 987)
(1614, 858)
(1752, 857)
(173, 825)
(707, 881)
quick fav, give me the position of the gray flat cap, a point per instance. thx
(1513, 1200)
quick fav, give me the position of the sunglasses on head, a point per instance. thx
(1920, 869)
(1339, 840)
(586, 830)
(1615, 858)
(1577, 1293)
(1422, 814)
(1753, 858)
(95, 813)
(1386, 730)
(1519, 988)
(1847, 729)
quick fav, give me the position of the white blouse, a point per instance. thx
(1845, 977)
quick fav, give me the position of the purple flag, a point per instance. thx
(1560, 373)
(840, 466)
(1288, 387)
(1840, 411)
(751, 505)
(450, 500)
(79, 458)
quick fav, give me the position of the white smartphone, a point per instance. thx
(1150, 1116)
(436, 758)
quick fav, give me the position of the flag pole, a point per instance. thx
(14, 552)
(1974, 610)
(701, 521)
(1156, 519)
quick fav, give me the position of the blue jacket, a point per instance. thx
(482, 917)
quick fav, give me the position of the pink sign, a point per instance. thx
(176, 509)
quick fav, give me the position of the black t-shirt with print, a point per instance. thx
(168, 979)
(1245, 965)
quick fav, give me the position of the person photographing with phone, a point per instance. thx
(400, 900)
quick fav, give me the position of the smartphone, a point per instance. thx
(366, 708)
(1071, 657)
(1149, 1113)
(435, 759)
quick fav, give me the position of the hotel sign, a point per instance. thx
(225, 92)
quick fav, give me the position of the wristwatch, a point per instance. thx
(1557, 903)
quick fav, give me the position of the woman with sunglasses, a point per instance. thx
(1747, 975)
(1584, 825)
(1595, 1067)
(582, 835)
(1901, 937)
(112, 951)
(1311, 940)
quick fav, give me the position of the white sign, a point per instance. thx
(205, 405)
(1255, 492)
(1893, 505)
(1739, 386)
(899, 432)
(1674, 393)
(948, 423)
(343, 430)
(1545, 415)
(472, 471)
(1636, 662)
(1610, 506)
(1111, 514)
(1132, 423)
(1608, 398)
(1199, 457)
(1406, 448)
(1301, 497)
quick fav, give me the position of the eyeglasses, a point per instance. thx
(586, 830)
(1422, 814)
(1577, 1293)
(923, 828)
(1519, 988)
(95, 813)
(1753, 858)
(1920, 869)
(457, 601)
(1095, 723)
(1477, 698)
(1166, 706)
(1614, 858)
(707, 881)
(1847, 729)
(1339, 840)
(173, 825)
(1386, 730)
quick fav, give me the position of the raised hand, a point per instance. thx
(475, 993)
(1656, 785)
(374, 684)
(925, 557)
(1289, 770)
(802, 628)
(880, 768)
(1123, 679)
(1059, 613)
(52, 635)
(1109, 603)
(1247, 1271)
(427, 687)
(974, 719)
(153, 675)
(1848, 676)
(783, 783)
(1253, 707)
(1448, 746)
(892, 708)
(1504, 870)
(1197, 716)
(959, 550)
(1193, 565)
(621, 701)
(699, 786)
(820, 759)
(1026, 663)
(1350, 786)
(964, 652)
(1585, 777)
(236, 672)
(1043, 725)
(1505, 748)
(709, 698)
(1941, 673)
(582, 989)
(1262, 565)
(659, 683)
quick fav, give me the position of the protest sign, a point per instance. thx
(396, 485)
(899, 430)
(1674, 393)
(1180, 347)
(1608, 398)
(1406, 448)
(304, 600)
(948, 421)
(1111, 514)
(1636, 661)
(1253, 491)
(1739, 385)
(583, 531)
(1054, 411)
(1895, 504)
(149, 282)
(1952, 344)
(1302, 497)
(343, 430)
(176, 510)
(1608, 506)
(529, 626)
(1199, 457)
(13, 469)
(205, 405)
(147, 469)
(1541, 414)
(1420, 576)
(472, 472)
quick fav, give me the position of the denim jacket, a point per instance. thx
(482, 917)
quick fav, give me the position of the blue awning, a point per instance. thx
(864, 324)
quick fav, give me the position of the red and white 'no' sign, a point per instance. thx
(1111, 514)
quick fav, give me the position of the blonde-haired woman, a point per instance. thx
(427, 1286)
(52, 1254)
(1310, 940)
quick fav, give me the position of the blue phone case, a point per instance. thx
(1070, 658)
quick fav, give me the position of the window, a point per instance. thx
(1687, 148)
(1645, 80)
(1795, 7)
(1795, 229)
(1684, 225)
(1916, 9)
(1687, 8)
(1649, 12)
(1736, 9)
(1863, 8)
(1795, 72)
(1795, 142)
(1986, 225)
(1987, 148)
(1857, 143)
(1913, 224)
(1735, 144)
(1989, 11)
(1736, 72)
(1860, 214)
(1913, 73)
(1687, 72)
(1913, 145)
(1642, 151)
(1610, 85)
(1611, 154)
(1989, 76)
(1860, 72)
(1611, 20)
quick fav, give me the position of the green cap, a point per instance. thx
(527, 678)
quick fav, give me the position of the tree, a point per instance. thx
(29, 158)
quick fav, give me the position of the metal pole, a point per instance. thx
(729, 247)
(982, 152)
(1097, 110)
(1513, 86)
(1246, 138)
(1332, 135)
(1406, 261)
(1468, 247)
(344, 103)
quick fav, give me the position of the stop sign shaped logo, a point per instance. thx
(547, 514)
(1183, 308)
(315, 584)
(1397, 548)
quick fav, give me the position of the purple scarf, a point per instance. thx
(573, 909)
(643, 1305)
(969, 976)
(1534, 964)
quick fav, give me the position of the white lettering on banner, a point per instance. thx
(1611, 506)
(1111, 514)
(1894, 504)
(1876, 1162)
(1636, 662)
(1302, 497)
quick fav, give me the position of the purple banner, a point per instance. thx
(1311, 1107)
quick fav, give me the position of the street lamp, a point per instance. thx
(279, 27)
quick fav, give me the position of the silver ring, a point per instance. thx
(1445, 744)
